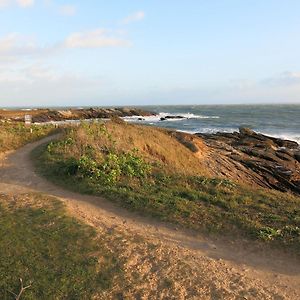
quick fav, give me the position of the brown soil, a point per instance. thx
(170, 263)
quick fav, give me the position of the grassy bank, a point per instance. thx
(107, 160)
(14, 135)
(58, 256)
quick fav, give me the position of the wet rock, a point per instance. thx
(171, 118)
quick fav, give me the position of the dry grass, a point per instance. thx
(5, 114)
(13, 136)
(154, 145)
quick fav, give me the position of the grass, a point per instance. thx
(82, 161)
(64, 259)
(15, 135)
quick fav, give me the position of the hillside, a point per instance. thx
(232, 249)
(168, 175)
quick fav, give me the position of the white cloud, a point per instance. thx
(14, 47)
(96, 39)
(283, 79)
(14, 44)
(39, 84)
(67, 10)
(20, 3)
(4, 3)
(25, 3)
(135, 17)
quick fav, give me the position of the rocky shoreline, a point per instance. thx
(245, 156)
(269, 162)
(48, 115)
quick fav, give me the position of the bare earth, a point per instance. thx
(162, 261)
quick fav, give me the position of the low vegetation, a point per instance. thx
(128, 165)
(14, 135)
(58, 257)
(53, 254)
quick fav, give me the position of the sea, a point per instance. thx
(282, 121)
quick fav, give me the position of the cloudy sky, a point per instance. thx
(129, 52)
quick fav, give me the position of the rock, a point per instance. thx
(286, 144)
(171, 118)
(286, 151)
(174, 117)
(284, 156)
(246, 131)
(297, 156)
(90, 113)
(259, 159)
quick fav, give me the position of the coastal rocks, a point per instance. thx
(166, 118)
(246, 131)
(90, 113)
(266, 161)
(297, 156)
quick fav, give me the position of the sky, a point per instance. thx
(149, 52)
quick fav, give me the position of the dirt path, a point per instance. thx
(218, 269)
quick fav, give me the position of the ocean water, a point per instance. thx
(281, 121)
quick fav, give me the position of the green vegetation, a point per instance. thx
(93, 159)
(14, 135)
(39, 243)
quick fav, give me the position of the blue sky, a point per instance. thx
(129, 52)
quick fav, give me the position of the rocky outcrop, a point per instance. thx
(48, 115)
(166, 118)
(266, 161)
(91, 113)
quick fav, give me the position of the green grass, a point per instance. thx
(14, 135)
(64, 259)
(208, 205)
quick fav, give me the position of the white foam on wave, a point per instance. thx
(286, 136)
(209, 130)
(162, 115)
(193, 116)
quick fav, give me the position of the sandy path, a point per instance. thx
(234, 267)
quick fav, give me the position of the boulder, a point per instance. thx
(246, 131)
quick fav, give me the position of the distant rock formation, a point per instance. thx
(91, 113)
(48, 115)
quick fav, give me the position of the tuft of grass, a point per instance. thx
(64, 259)
(206, 204)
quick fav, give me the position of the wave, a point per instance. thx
(286, 136)
(168, 117)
